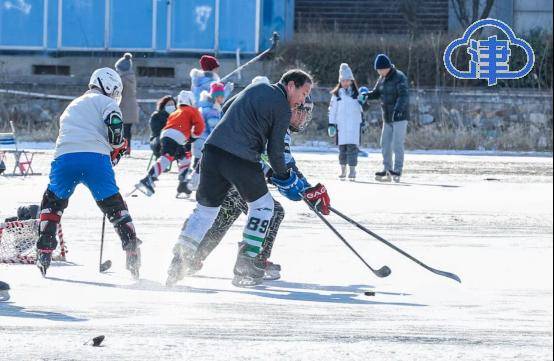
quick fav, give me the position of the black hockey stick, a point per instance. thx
(103, 266)
(381, 272)
(274, 42)
(436, 271)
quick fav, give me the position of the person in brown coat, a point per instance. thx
(128, 105)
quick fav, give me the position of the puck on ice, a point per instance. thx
(134, 195)
(369, 293)
(97, 341)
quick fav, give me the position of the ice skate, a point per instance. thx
(383, 176)
(44, 257)
(146, 185)
(183, 190)
(395, 176)
(133, 259)
(272, 271)
(249, 271)
(180, 264)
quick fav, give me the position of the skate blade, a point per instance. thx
(246, 282)
(182, 196)
(42, 270)
(141, 188)
(383, 179)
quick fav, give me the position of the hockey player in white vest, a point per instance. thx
(89, 144)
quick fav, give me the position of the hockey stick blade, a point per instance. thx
(381, 272)
(379, 238)
(105, 266)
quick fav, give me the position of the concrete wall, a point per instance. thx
(16, 70)
(440, 119)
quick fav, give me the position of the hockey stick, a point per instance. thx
(274, 41)
(436, 271)
(103, 266)
(381, 272)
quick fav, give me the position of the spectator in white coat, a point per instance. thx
(345, 119)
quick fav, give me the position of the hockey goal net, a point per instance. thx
(18, 242)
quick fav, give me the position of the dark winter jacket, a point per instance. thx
(258, 115)
(393, 92)
(158, 119)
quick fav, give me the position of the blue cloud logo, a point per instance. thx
(489, 57)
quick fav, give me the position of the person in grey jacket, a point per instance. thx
(128, 105)
(254, 120)
(392, 89)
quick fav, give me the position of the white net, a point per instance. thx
(18, 240)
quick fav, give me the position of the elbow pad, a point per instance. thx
(115, 129)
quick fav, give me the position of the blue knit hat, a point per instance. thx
(382, 62)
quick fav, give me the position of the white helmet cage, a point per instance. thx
(301, 115)
(108, 81)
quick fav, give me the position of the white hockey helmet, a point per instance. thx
(185, 97)
(108, 81)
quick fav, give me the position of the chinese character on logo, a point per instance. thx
(489, 57)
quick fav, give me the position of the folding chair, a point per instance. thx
(22, 158)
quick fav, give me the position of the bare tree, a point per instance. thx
(469, 11)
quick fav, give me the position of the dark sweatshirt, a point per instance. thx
(258, 115)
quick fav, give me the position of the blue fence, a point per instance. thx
(162, 26)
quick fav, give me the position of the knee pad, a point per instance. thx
(116, 210)
(51, 210)
(197, 225)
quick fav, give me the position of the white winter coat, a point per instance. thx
(346, 114)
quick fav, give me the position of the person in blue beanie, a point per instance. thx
(392, 90)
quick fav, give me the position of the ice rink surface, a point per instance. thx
(488, 219)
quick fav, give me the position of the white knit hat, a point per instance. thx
(345, 73)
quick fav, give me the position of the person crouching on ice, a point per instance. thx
(89, 144)
(183, 127)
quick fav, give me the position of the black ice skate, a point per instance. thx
(132, 258)
(395, 176)
(181, 264)
(383, 176)
(249, 271)
(183, 190)
(44, 257)
(146, 185)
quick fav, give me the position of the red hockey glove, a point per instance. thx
(118, 153)
(319, 198)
